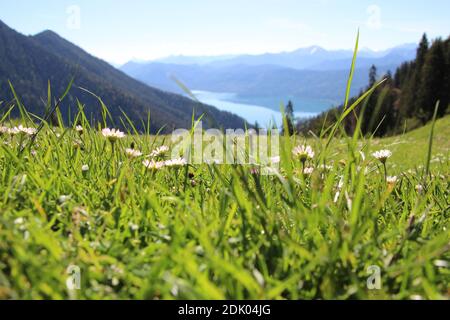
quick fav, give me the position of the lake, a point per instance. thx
(252, 113)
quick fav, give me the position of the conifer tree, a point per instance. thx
(289, 114)
(431, 86)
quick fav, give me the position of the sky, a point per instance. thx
(119, 30)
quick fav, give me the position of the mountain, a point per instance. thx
(310, 58)
(181, 59)
(299, 59)
(265, 85)
(306, 73)
(387, 59)
(30, 62)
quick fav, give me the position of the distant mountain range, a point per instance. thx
(29, 62)
(312, 58)
(309, 73)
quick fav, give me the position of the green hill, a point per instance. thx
(410, 149)
(30, 62)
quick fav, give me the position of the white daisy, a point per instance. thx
(4, 130)
(382, 155)
(175, 162)
(63, 199)
(28, 131)
(391, 180)
(303, 153)
(77, 143)
(13, 131)
(132, 153)
(153, 165)
(133, 226)
(19, 221)
(159, 151)
(419, 188)
(22, 129)
(308, 170)
(113, 134)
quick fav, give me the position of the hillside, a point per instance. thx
(409, 150)
(407, 157)
(30, 62)
(405, 101)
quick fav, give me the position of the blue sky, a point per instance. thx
(119, 30)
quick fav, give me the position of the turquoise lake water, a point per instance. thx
(250, 112)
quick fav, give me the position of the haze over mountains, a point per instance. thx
(29, 62)
(311, 73)
(311, 58)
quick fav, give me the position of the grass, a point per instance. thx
(220, 231)
(410, 149)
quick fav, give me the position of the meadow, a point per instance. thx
(136, 227)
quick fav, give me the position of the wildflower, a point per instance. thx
(85, 168)
(19, 221)
(28, 131)
(391, 181)
(113, 134)
(303, 153)
(33, 153)
(77, 144)
(159, 151)
(21, 129)
(308, 171)
(133, 226)
(13, 131)
(4, 130)
(419, 189)
(63, 199)
(175, 162)
(79, 129)
(382, 155)
(254, 171)
(153, 165)
(132, 153)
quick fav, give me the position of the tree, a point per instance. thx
(422, 51)
(410, 100)
(370, 107)
(289, 118)
(372, 76)
(432, 82)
